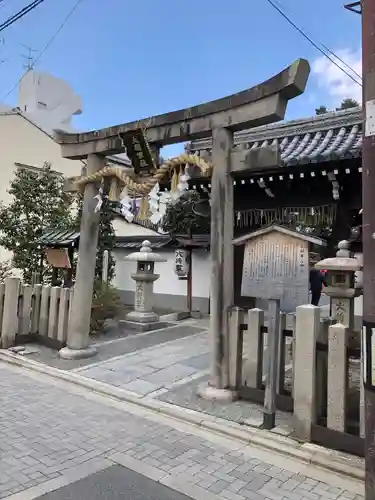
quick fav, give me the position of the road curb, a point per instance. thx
(328, 460)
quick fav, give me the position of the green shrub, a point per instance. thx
(106, 304)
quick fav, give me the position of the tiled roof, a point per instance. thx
(332, 136)
(135, 242)
(59, 238)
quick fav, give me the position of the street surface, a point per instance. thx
(66, 442)
(115, 483)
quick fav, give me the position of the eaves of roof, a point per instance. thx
(59, 238)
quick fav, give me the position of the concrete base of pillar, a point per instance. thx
(220, 395)
(142, 317)
(144, 327)
(87, 352)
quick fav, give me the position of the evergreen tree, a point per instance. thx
(347, 104)
(38, 203)
(180, 217)
(322, 110)
(106, 241)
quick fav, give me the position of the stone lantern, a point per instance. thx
(341, 288)
(143, 317)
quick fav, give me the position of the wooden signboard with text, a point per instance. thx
(276, 266)
(58, 258)
(138, 151)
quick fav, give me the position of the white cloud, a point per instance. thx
(335, 84)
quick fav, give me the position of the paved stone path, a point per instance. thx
(154, 370)
(53, 433)
(172, 372)
(118, 342)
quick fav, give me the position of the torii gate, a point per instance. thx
(265, 103)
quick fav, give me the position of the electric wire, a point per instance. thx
(328, 49)
(46, 47)
(310, 40)
(20, 14)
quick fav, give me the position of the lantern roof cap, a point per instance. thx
(342, 261)
(145, 254)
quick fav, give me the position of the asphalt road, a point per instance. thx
(115, 483)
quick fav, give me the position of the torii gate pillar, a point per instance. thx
(79, 325)
(222, 292)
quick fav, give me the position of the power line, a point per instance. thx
(309, 39)
(20, 14)
(330, 51)
(341, 60)
(46, 47)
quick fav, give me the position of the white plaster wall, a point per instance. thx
(168, 283)
(22, 142)
(201, 273)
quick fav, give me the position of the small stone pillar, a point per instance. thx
(143, 317)
(341, 284)
(337, 382)
(254, 343)
(304, 386)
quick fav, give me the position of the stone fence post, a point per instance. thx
(235, 348)
(337, 383)
(253, 347)
(281, 348)
(10, 312)
(307, 331)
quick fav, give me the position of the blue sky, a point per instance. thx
(131, 59)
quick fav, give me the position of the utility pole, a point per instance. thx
(368, 229)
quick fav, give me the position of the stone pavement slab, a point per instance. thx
(49, 428)
(154, 370)
(115, 483)
(111, 347)
(172, 372)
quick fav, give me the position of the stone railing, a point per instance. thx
(36, 312)
(328, 391)
(318, 375)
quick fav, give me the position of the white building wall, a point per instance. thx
(201, 273)
(22, 142)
